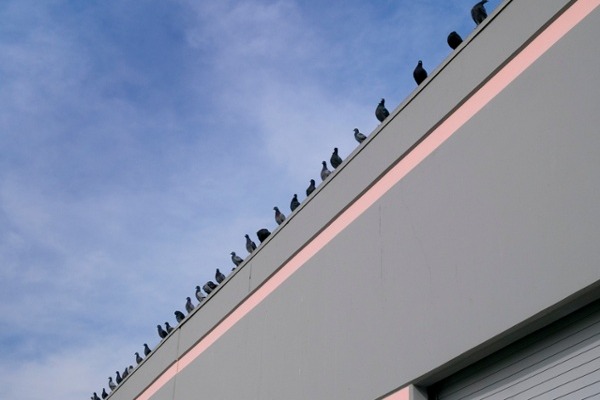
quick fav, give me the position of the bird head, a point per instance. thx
(335, 149)
(247, 237)
(312, 181)
(420, 62)
(188, 299)
(276, 208)
(382, 102)
(324, 163)
(233, 253)
(355, 130)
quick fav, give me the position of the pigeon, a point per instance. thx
(161, 332)
(95, 397)
(478, 12)
(189, 306)
(125, 373)
(219, 276)
(294, 203)
(454, 40)
(104, 394)
(111, 384)
(250, 245)
(419, 73)
(147, 349)
(381, 112)
(279, 217)
(168, 327)
(263, 234)
(237, 260)
(310, 188)
(335, 159)
(324, 171)
(118, 379)
(199, 295)
(209, 287)
(359, 136)
(179, 316)
(130, 369)
(138, 358)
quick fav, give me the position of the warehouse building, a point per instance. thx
(455, 254)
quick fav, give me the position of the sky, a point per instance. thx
(140, 140)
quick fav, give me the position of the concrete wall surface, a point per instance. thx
(487, 234)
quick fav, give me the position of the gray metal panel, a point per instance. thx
(561, 361)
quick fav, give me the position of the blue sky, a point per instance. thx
(140, 140)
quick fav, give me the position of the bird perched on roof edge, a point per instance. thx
(179, 316)
(219, 276)
(279, 217)
(419, 73)
(359, 136)
(381, 112)
(335, 159)
(138, 358)
(324, 171)
(118, 379)
(454, 40)
(199, 295)
(294, 203)
(147, 350)
(478, 12)
(250, 245)
(189, 306)
(168, 327)
(263, 234)
(311, 188)
(237, 260)
(111, 384)
(161, 332)
(104, 394)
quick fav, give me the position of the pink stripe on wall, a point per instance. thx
(569, 19)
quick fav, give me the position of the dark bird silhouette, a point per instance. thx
(381, 112)
(279, 217)
(168, 327)
(209, 287)
(111, 384)
(118, 378)
(237, 260)
(125, 373)
(199, 295)
(250, 245)
(189, 306)
(263, 234)
(219, 276)
(179, 316)
(454, 40)
(419, 73)
(324, 171)
(104, 394)
(335, 159)
(138, 358)
(311, 188)
(147, 349)
(95, 397)
(478, 12)
(359, 136)
(161, 332)
(294, 203)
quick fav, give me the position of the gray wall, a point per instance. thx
(488, 235)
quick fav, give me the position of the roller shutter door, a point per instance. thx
(560, 361)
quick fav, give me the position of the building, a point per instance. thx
(454, 255)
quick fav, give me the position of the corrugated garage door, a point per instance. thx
(560, 361)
